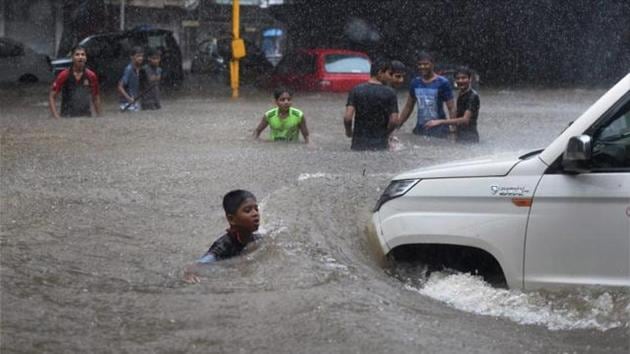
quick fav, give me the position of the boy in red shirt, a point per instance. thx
(78, 86)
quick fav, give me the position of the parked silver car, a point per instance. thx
(19, 63)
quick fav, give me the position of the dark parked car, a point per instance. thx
(108, 54)
(213, 57)
(207, 60)
(19, 63)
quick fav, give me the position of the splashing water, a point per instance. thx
(583, 309)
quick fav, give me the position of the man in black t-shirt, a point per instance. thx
(373, 108)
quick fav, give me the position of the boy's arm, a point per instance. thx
(450, 105)
(348, 116)
(261, 126)
(97, 104)
(407, 109)
(191, 274)
(121, 85)
(304, 130)
(347, 120)
(463, 120)
(96, 97)
(471, 106)
(191, 271)
(121, 90)
(60, 80)
(52, 103)
(392, 124)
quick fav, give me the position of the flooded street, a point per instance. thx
(100, 216)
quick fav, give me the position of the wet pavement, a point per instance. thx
(100, 215)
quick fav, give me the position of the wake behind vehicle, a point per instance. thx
(557, 217)
(108, 54)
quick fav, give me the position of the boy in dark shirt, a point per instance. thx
(241, 211)
(373, 108)
(78, 86)
(467, 109)
(152, 77)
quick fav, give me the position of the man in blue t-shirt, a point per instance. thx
(430, 91)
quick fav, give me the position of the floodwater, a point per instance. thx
(100, 216)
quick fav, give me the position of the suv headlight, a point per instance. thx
(395, 189)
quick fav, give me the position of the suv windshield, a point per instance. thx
(346, 63)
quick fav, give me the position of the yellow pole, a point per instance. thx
(236, 34)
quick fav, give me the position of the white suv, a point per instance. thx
(551, 218)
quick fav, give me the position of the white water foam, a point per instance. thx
(305, 176)
(581, 310)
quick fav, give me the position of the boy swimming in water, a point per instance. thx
(284, 120)
(241, 211)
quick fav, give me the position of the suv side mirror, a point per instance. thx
(577, 156)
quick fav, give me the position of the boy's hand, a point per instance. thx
(393, 143)
(433, 123)
(190, 276)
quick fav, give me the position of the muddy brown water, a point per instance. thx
(100, 215)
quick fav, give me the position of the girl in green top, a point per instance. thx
(284, 121)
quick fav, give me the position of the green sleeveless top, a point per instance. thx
(284, 128)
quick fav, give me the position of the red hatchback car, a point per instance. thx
(335, 70)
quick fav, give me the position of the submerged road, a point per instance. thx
(100, 215)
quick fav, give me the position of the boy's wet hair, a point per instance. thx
(464, 70)
(77, 47)
(379, 65)
(277, 92)
(397, 66)
(136, 50)
(233, 200)
(423, 55)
